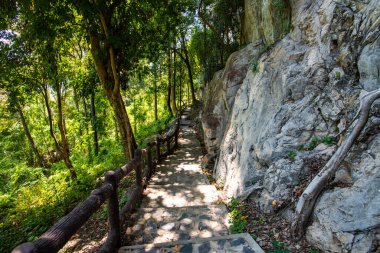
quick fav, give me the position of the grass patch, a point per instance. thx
(292, 155)
(238, 221)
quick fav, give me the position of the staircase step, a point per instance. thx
(185, 122)
(180, 195)
(157, 225)
(184, 177)
(242, 243)
(186, 170)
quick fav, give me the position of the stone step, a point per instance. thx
(180, 195)
(185, 122)
(242, 243)
(180, 169)
(157, 225)
(186, 176)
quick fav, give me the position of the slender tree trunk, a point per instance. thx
(168, 99)
(180, 87)
(191, 82)
(204, 54)
(59, 147)
(186, 59)
(88, 119)
(29, 136)
(173, 96)
(155, 93)
(65, 150)
(76, 102)
(93, 124)
(50, 118)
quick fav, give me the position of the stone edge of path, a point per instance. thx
(245, 236)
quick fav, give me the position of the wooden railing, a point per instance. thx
(144, 164)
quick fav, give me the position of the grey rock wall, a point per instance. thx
(220, 96)
(307, 85)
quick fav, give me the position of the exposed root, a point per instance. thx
(308, 198)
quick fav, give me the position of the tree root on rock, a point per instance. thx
(308, 198)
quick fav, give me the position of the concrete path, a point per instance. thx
(181, 211)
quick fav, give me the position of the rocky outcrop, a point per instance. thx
(220, 96)
(302, 91)
(268, 20)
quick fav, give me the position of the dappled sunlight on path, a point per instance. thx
(181, 211)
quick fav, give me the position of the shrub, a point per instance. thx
(238, 220)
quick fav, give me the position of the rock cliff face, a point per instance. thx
(268, 20)
(272, 111)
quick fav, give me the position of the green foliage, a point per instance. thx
(34, 202)
(238, 221)
(328, 140)
(255, 66)
(314, 143)
(292, 155)
(337, 75)
(279, 247)
(45, 49)
(260, 221)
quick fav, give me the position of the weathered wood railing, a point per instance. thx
(144, 164)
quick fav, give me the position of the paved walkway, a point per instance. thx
(181, 211)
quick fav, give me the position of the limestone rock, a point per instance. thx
(266, 19)
(220, 95)
(307, 85)
(369, 66)
(348, 218)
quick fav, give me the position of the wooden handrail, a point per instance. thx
(60, 233)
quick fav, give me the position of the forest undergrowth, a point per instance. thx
(32, 199)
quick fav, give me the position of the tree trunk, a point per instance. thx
(87, 119)
(65, 150)
(29, 136)
(180, 87)
(168, 99)
(186, 59)
(205, 54)
(191, 82)
(124, 125)
(173, 97)
(155, 93)
(93, 124)
(76, 102)
(109, 79)
(310, 195)
(50, 118)
(57, 144)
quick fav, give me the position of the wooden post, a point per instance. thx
(168, 144)
(150, 161)
(113, 239)
(138, 168)
(158, 148)
(177, 130)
